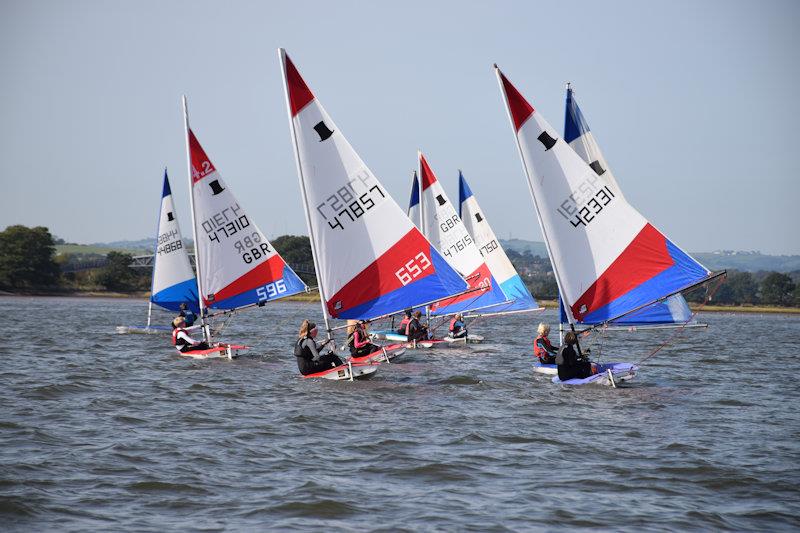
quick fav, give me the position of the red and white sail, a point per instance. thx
(442, 225)
(608, 259)
(237, 265)
(370, 258)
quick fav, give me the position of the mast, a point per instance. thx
(320, 277)
(567, 309)
(205, 327)
(417, 176)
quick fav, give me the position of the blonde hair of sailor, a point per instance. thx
(351, 326)
(305, 328)
(544, 329)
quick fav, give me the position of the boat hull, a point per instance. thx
(346, 372)
(610, 374)
(222, 351)
(385, 354)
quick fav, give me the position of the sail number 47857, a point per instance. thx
(413, 268)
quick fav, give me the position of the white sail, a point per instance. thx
(370, 258)
(492, 251)
(174, 282)
(236, 264)
(446, 231)
(608, 259)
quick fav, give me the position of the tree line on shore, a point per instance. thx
(28, 263)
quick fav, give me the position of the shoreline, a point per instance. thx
(313, 296)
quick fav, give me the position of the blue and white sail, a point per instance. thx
(413, 203)
(442, 225)
(520, 298)
(673, 310)
(174, 282)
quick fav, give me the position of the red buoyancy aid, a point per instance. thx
(452, 324)
(538, 351)
(404, 324)
(175, 333)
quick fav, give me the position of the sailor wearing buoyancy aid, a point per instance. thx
(307, 351)
(542, 349)
(181, 339)
(457, 327)
(402, 329)
(358, 340)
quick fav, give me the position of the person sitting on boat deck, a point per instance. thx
(358, 341)
(571, 364)
(415, 331)
(402, 329)
(307, 351)
(457, 327)
(188, 314)
(182, 341)
(542, 349)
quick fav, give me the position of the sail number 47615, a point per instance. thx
(413, 268)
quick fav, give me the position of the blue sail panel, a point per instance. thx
(172, 297)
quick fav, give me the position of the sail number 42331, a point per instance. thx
(413, 268)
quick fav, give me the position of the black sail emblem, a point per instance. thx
(599, 170)
(324, 131)
(216, 188)
(170, 217)
(478, 217)
(440, 199)
(546, 140)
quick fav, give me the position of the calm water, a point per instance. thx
(110, 432)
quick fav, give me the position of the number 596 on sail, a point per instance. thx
(413, 268)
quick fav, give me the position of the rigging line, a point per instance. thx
(678, 332)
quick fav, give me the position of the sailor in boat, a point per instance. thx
(358, 340)
(542, 348)
(307, 351)
(415, 330)
(181, 339)
(571, 363)
(457, 327)
(403, 327)
(187, 314)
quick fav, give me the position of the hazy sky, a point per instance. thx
(693, 103)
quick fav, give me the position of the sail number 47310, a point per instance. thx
(413, 268)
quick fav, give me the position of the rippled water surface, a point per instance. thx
(100, 431)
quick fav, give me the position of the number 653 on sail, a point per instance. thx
(413, 268)
(271, 290)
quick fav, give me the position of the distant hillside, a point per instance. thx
(521, 246)
(748, 261)
(719, 260)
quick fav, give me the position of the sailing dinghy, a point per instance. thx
(608, 260)
(237, 267)
(371, 261)
(173, 282)
(519, 297)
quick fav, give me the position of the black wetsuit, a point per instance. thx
(570, 366)
(310, 361)
(416, 331)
